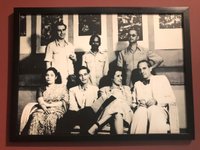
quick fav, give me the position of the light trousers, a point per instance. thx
(149, 120)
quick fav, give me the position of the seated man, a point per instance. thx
(80, 97)
(151, 94)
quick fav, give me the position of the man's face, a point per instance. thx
(95, 43)
(144, 70)
(133, 37)
(83, 76)
(61, 31)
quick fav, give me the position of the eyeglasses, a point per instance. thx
(133, 35)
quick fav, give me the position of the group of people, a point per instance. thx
(140, 104)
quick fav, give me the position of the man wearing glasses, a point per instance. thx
(129, 58)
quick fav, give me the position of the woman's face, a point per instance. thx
(117, 79)
(50, 77)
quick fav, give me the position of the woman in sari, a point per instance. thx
(52, 100)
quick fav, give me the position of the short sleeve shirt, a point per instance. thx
(59, 56)
(129, 59)
(98, 65)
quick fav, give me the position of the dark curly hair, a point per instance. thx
(57, 74)
(93, 37)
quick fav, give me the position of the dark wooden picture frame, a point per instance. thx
(159, 27)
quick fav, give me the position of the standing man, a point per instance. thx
(129, 58)
(80, 97)
(152, 94)
(60, 54)
(96, 61)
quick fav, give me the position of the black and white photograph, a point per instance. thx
(126, 22)
(89, 24)
(170, 21)
(111, 73)
(47, 28)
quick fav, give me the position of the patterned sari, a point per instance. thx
(43, 123)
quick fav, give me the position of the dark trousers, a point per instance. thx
(85, 118)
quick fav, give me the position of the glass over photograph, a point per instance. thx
(102, 75)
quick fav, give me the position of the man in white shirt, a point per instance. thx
(96, 61)
(151, 94)
(81, 96)
(60, 54)
(84, 94)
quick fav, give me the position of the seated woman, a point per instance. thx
(120, 108)
(52, 100)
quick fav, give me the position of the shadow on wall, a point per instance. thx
(32, 63)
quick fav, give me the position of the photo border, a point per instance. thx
(184, 11)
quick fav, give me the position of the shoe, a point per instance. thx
(93, 129)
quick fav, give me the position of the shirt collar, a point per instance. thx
(83, 88)
(116, 87)
(147, 81)
(94, 53)
(129, 49)
(58, 43)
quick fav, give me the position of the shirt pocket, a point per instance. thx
(101, 60)
(88, 60)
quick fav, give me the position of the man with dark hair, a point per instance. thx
(129, 57)
(60, 53)
(81, 96)
(96, 60)
(151, 94)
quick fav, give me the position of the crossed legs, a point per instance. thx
(118, 123)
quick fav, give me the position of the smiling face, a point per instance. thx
(117, 79)
(61, 31)
(133, 36)
(50, 77)
(144, 70)
(83, 76)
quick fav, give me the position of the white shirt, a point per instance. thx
(80, 98)
(98, 65)
(159, 88)
(58, 55)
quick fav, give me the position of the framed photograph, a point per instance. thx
(101, 74)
